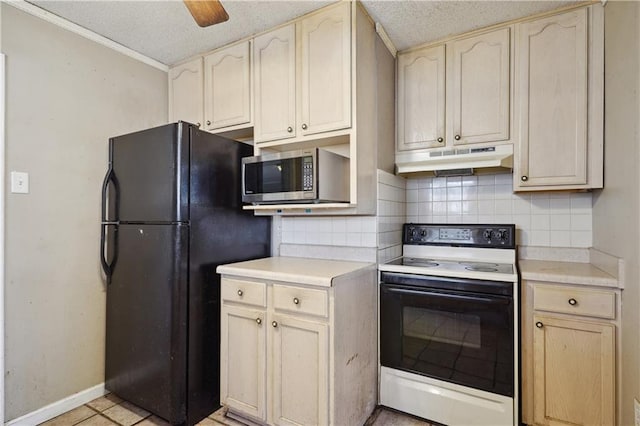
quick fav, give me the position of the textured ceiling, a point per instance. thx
(166, 32)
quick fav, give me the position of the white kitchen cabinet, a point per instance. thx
(300, 367)
(243, 370)
(325, 74)
(421, 99)
(569, 345)
(185, 92)
(275, 85)
(456, 93)
(228, 88)
(479, 94)
(320, 83)
(318, 362)
(559, 68)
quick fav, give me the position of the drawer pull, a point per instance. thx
(296, 301)
(573, 302)
(274, 324)
(539, 324)
(240, 293)
(259, 321)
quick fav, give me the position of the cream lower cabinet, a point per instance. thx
(569, 355)
(295, 354)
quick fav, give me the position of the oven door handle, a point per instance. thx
(456, 296)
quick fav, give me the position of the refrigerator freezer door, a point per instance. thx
(146, 333)
(150, 180)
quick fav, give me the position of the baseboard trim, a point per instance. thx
(62, 406)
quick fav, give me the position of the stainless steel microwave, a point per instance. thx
(305, 176)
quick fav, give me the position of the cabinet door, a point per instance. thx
(552, 74)
(573, 372)
(421, 99)
(227, 87)
(185, 92)
(243, 360)
(480, 90)
(275, 85)
(325, 74)
(300, 371)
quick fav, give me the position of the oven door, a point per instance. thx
(432, 326)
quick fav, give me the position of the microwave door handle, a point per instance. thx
(462, 297)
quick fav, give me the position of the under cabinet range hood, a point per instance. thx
(456, 161)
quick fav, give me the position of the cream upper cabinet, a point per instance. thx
(311, 95)
(457, 93)
(479, 94)
(275, 84)
(300, 368)
(559, 74)
(421, 99)
(573, 372)
(185, 92)
(325, 73)
(227, 87)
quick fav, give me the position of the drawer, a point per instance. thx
(240, 291)
(301, 300)
(573, 300)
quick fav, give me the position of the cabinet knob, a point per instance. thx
(539, 324)
(296, 301)
(274, 324)
(289, 129)
(440, 140)
(572, 302)
(457, 137)
(304, 127)
(198, 124)
(259, 321)
(240, 293)
(208, 122)
(524, 178)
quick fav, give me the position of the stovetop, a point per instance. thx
(485, 252)
(453, 265)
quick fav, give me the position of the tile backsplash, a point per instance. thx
(556, 219)
(551, 219)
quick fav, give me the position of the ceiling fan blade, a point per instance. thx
(207, 12)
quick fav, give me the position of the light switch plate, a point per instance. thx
(19, 182)
(636, 407)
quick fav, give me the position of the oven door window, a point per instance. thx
(458, 337)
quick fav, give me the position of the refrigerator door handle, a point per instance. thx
(106, 266)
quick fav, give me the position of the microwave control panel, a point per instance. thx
(307, 173)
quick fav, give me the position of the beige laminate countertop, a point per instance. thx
(565, 272)
(318, 272)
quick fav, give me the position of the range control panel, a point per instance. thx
(464, 235)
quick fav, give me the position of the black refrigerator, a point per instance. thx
(171, 213)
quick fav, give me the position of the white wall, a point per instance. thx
(616, 211)
(66, 96)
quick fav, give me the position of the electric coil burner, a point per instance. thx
(449, 325)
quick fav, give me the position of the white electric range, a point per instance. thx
(449, 325)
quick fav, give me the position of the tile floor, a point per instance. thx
(110, 410)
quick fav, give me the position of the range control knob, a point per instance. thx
(487, 234)
(502, 234)
(423, 232)
(412, 233)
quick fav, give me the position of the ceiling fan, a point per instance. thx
(207, 12)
